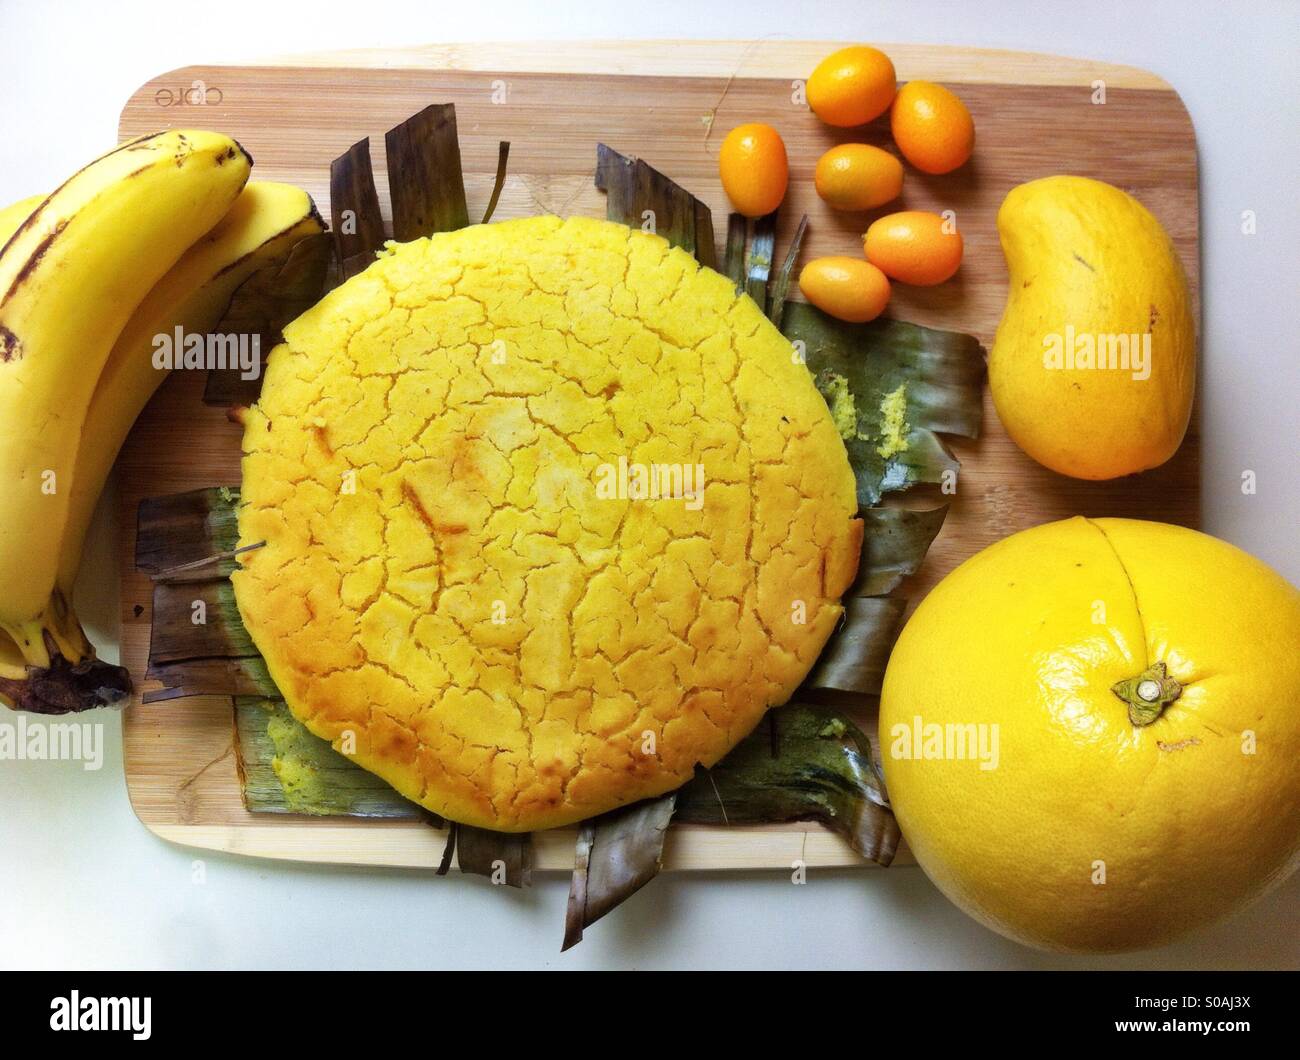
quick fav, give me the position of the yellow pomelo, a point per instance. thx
(1091, 733)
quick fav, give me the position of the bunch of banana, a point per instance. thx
(155, 235)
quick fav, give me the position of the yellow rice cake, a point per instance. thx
(463, 587)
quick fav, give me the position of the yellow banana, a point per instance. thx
(260, 229)
(12, 216)
(13, 672)
(70, 278)
(12, 666)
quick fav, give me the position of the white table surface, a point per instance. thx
(84, 885)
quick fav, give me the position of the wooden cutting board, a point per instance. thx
(670, 103)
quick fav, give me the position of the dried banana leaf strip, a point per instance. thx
(357, 224)
(759, 258)
(706, 250)
(618, 853)
(183, 528)
(734, 263)
(448, 849)
(894, 544)
(890, 386)
(210, 677)
(575, 912)
(197, 620)
(425, 181)
(780, 287)
(262, 306)
(825, 772)
(854, 658)
(504, 857)
(503, 160)
(197, 644)
(639, 196)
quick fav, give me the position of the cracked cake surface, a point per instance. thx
(451, 590)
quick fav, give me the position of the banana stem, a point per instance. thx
(64, 688)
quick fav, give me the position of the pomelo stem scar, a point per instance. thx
(1148, 694)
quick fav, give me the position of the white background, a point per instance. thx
(84, 884)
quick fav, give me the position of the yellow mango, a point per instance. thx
(1094, 365)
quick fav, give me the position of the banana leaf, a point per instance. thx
(822, 771)
(894, 544)
(354, 210)
(196, 637)
(197, 643)
(503, 159)
(825, 771)
(285, 769)
(854, 658)
(891, 386)
(734, 263)
(706, 250)
(501, 856)
(262, 306)
(210, 677)
(617, 854)
(781, 285)
(759, 258)
(638, 195)
(425, 181)
(183, 529)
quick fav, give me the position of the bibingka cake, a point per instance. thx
(551, 517)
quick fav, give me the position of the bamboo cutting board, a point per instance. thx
(670, 103)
